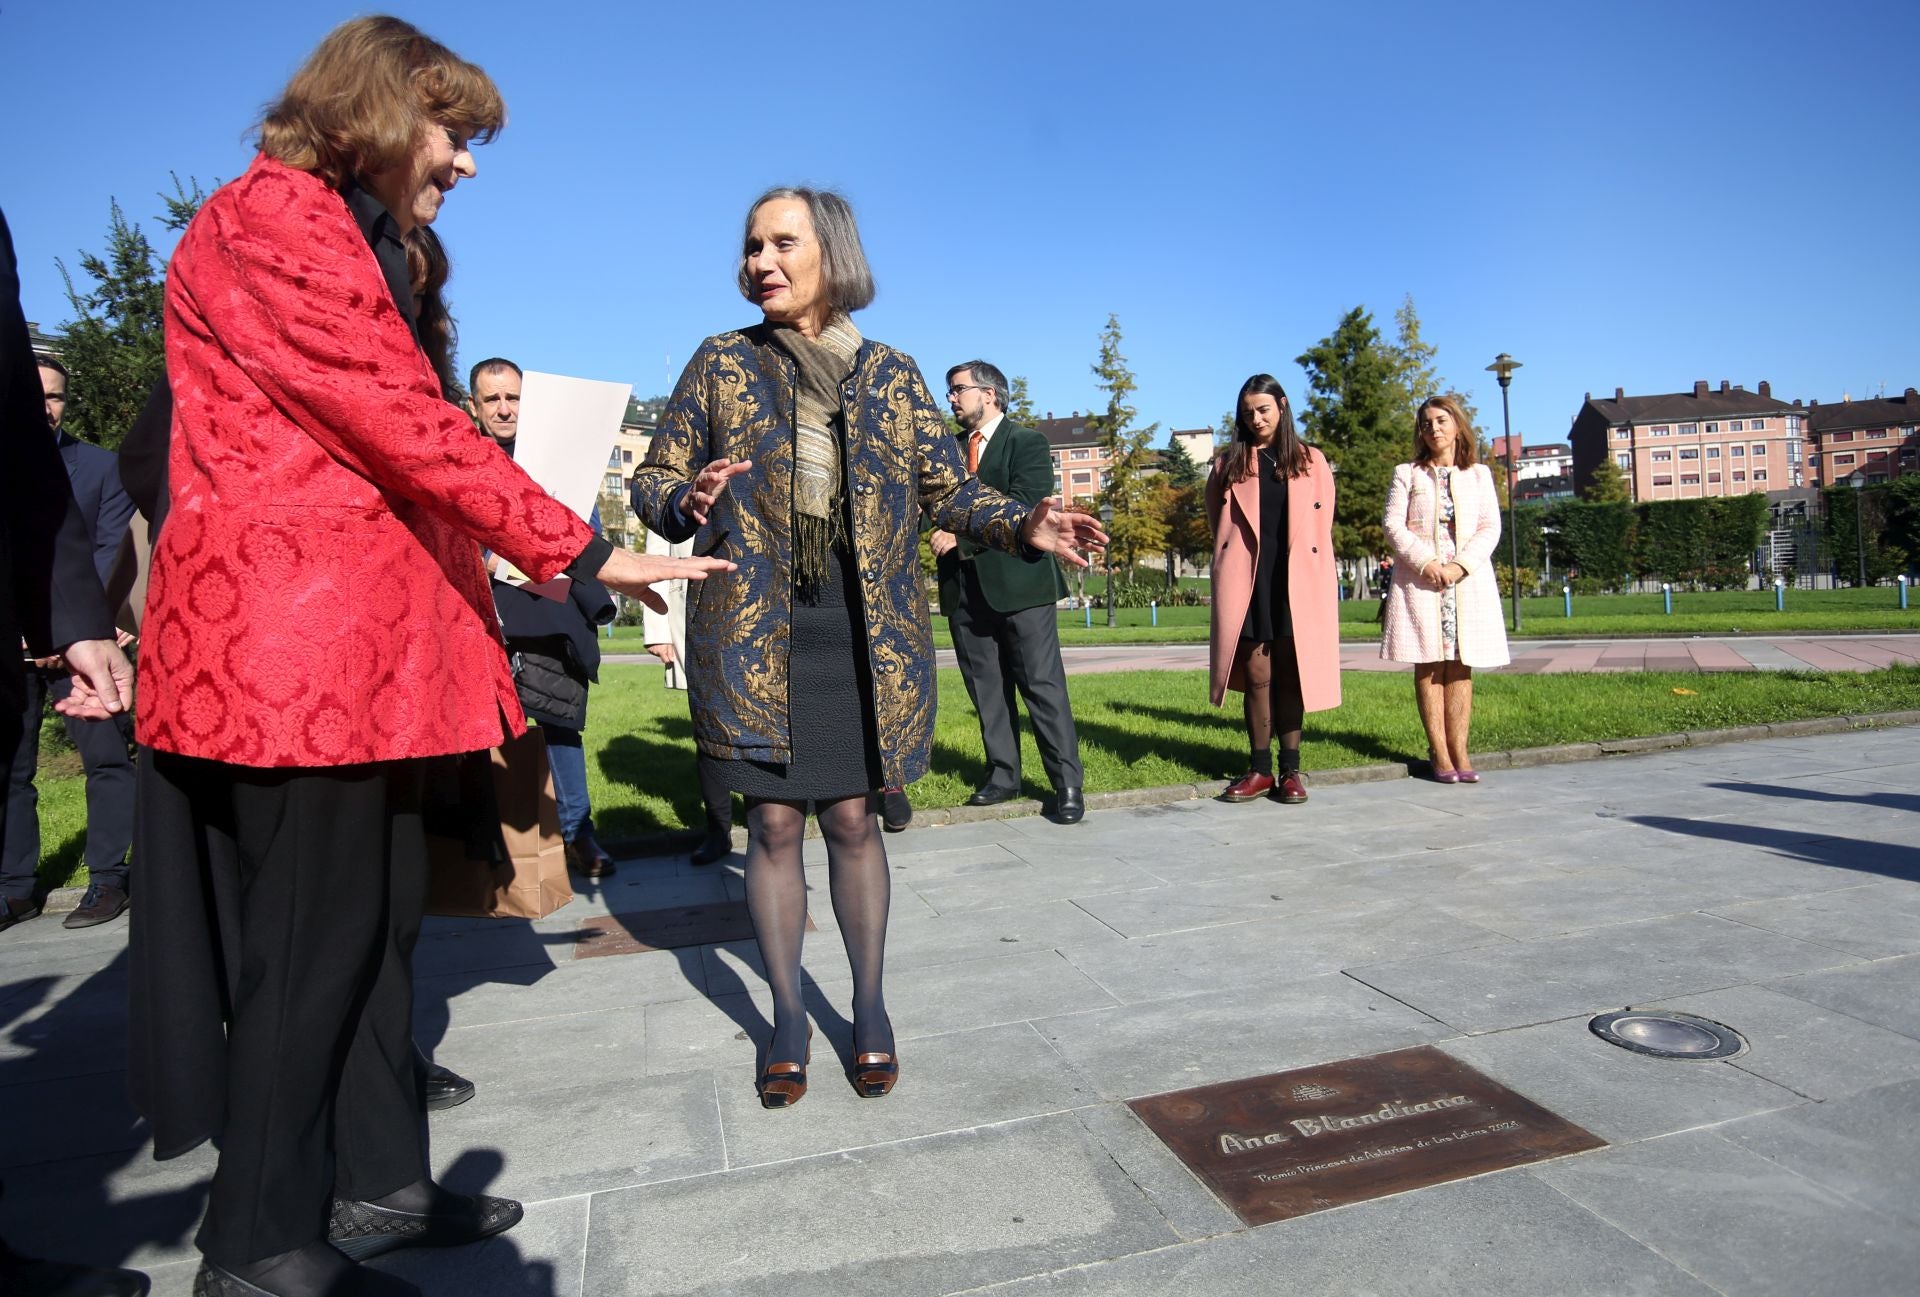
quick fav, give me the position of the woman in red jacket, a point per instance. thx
(318, 623)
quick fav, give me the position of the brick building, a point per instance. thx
(1689, 445)
(1875, 436)
(1079, 460)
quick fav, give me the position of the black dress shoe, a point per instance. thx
(17, 911)
(363, 1230)
(102, 902)
(992, 795)
(718, 845)
(1070, 807)
(31, 1277)
(444, 1088)
(896, 812)
(357, 1281)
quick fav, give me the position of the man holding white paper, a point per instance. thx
(552, 644)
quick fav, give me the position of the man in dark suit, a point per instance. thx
(554, 647)
(50, 598)
(1000, 607)
(94, 475)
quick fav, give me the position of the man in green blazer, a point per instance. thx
(1000, 607)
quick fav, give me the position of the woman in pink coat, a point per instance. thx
(1275, 625)
(1443, 612)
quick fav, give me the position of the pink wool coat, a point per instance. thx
(1413, 605)
(1313, 588)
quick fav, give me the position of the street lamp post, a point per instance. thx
(1502, 368)
(1858, 481)
(1106, 525)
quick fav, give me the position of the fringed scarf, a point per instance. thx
(819, 522)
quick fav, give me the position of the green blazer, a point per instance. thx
(1016, 462)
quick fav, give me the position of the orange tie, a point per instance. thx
(973, 452)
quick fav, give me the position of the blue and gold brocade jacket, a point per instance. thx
(736, 400)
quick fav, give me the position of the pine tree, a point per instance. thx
(1019, 405)
(114, 349)
(1184, 509)
(1356, 415)
(1608, 484)
(1137, 527)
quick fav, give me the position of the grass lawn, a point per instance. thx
(1725, 612)
(1141, 729)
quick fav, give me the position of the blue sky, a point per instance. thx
(1622, 194)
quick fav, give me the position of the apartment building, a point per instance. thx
(1877, 436)
(1691, 445)
(1079, 460)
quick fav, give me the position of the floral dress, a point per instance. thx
(1445, 549)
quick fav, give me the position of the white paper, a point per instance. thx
(567, 428)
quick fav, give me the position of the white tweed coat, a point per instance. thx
(1413, 605)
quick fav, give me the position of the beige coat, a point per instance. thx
(1413, 604)
(669, 627)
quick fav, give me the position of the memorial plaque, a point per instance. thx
(1284, 1145)
(683, 925)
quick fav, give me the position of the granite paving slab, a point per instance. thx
(1141, 1049)
(1874, 921)
(1865, 1145)
(1615, 1093)
(924, 1217)
(1738, 1222)
(538, 991)
(1492, 987)
(1885, 992)
(119, 1208)
(1502, 1235)
(619, 1130)
(1820, 1053)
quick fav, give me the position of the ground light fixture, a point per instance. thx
(1667, 1034)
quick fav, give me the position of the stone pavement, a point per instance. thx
(1043, 975)
(1694, 653)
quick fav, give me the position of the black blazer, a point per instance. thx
(49, 591)
(94, 473)
(1018, 462)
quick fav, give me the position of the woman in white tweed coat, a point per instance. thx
(1443, 612)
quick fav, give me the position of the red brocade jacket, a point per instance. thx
(317, 596)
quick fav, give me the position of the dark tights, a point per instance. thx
(777, 902)
(1273, 702)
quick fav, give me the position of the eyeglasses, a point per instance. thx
(967, 387)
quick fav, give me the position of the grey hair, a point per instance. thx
(843, 261)
(987, 374)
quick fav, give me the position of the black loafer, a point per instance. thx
(363, 1231)
(212, 1281)
(1070, 807)
(718, 845)
(896, 812)
(992, 795)
(445, 1088)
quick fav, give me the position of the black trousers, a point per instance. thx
(999, 654)
(324, 879)
(103, 754)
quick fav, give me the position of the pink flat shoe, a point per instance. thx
(1468, 776)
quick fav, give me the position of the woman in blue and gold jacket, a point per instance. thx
(806, 454)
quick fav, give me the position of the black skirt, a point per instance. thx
(1269, 615)
(835, 744)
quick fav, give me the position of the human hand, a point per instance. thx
(630, 574)
(942, 541)
(52, 662)
(708, 486)
(664, 652)
(1053, 530)
(122, 638)
(102, 681)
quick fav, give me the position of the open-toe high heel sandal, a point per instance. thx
(783, 1084)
